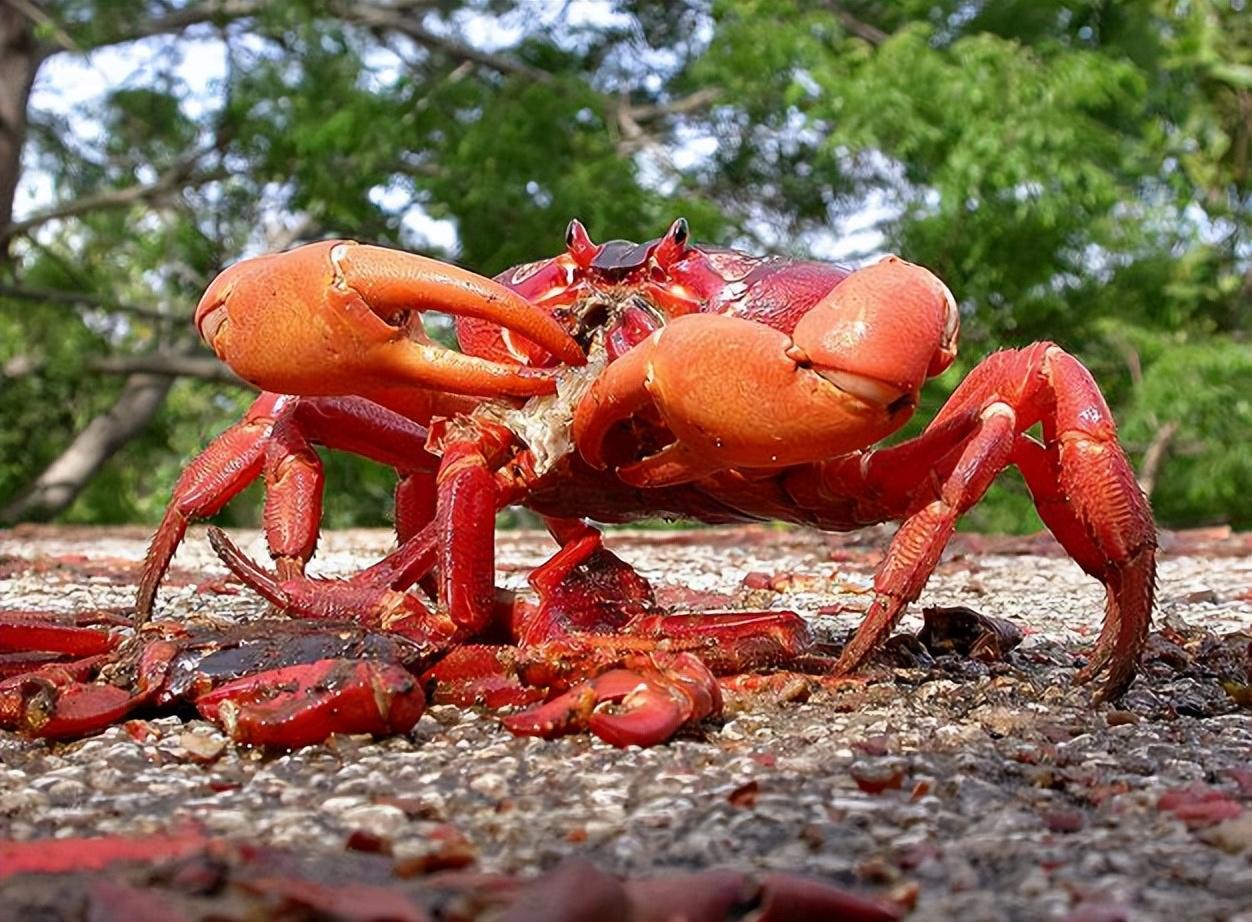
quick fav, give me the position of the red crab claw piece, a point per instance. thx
(846, 377)
(641, 705)
(337, 317)
(56, 701)
(302, 705)
(480, 674)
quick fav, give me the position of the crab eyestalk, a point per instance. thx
(338, 317)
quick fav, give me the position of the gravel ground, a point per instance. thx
(1008, 794)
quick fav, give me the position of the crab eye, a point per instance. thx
(679, 232)
(578, 243)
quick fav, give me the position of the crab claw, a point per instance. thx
(738, 393)
(338, 317)
(641, 705)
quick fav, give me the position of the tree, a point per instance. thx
(1075, 169)
(340, 116)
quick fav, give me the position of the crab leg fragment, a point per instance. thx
(301, 705)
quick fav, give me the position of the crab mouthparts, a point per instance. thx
(617, 324)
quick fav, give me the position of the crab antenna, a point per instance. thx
(578, 243)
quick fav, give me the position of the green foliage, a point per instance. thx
(1076, 170)
(1201, 389)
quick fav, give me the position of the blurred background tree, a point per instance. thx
(1077, 171)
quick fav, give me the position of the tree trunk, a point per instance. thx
(64, 478)
(20, 57)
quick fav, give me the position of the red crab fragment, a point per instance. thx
(280, 683)
(617, 669)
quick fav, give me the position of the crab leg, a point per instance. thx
(915, 550)
(293, 470)
(276, 438)
(220, 472)
(1082, 483)
(333, 318)
(23, 632)
(415, 503)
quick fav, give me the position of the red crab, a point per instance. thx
(277, 682)
(618, 381)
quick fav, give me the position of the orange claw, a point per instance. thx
(737, 393)
(332, 318)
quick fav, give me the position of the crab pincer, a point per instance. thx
(339, 317)
(644, 703)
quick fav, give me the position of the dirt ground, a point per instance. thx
(964, 789)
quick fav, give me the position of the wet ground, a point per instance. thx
(965, 789)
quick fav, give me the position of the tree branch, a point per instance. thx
(855, 26)
(170, 365)
(54, 296)
(163, 364)
(211, 11)
(179, 176)
(41, 18)
(700, 99)
(65, 478)
(381, 17)
(631, 119)
(1154, 457)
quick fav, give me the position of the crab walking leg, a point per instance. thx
(1080, 478)
(293, 471)
(465, 519)
(1090, 499)
(916, 547)
(231, 462)
(275, 438)
(1123, 564)
(415, 503)
(340, 312)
